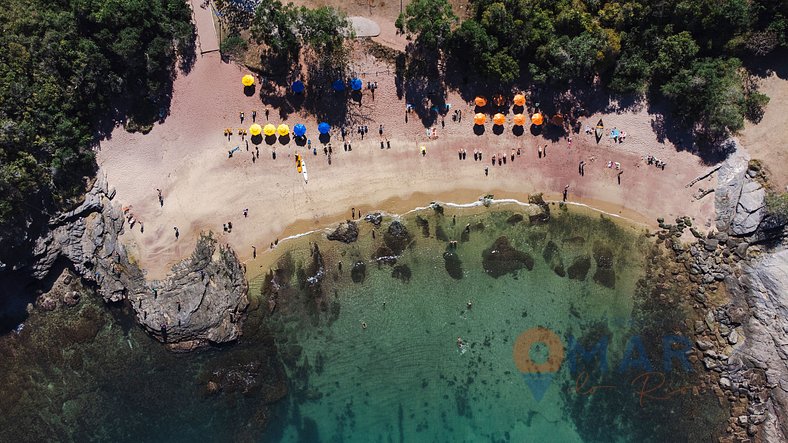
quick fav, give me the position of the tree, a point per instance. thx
(431, 20)
(674, 52)
(709, 95)
(274, 25)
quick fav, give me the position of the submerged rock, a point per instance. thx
(424, 224)
(384, 255)
(578, 270)
(502, 258)
(440, 233)
(552, 256)
(453, 264)
(604, 275)
(397, 237)
(346, 232)
(359, 272)
(514, 219)
(401, 272)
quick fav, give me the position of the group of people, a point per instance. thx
(651, 160)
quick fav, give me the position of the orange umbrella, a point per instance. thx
(537, 119)
(479, 119)
(499, 119)
(519, 100)
(498, 99)
(480, 101)
(519, 119)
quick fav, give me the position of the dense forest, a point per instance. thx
(687, 52)
(69, 69)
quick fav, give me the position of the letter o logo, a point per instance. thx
(522, 351)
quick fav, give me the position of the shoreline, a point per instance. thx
(298, 230)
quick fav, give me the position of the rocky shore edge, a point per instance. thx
(737, 277)
(202, 301)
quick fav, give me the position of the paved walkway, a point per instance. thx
(207, 41)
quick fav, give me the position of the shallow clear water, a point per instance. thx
(78, 375)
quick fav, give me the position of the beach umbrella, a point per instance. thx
(323, 128)
(479, 119)
(269, 129)
(499, 119)
(299, 130)
(519, 119)
(480, 101)
(519, 100)
(356, 84)
(338, 85)
(537, 119)
(247, 80)
(255, 129)
(283, 130)
(297, 86)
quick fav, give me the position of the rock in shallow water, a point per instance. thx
(397, 237)
(453, 264)
(346, 232)
(359, 272)
(502, 258)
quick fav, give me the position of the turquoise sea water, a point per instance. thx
(310, 371)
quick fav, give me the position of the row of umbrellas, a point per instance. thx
(518, 119)
(298, 86)
(299, 130)
(480, 101)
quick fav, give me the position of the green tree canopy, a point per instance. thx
(430, 20)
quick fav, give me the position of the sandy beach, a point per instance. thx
(187, 158)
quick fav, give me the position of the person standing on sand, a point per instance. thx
(254, 252)
(177, 233)
(254, 116)
(619, 176)
(161, 199)
(242, 116)
(266, 114)
(540, 152)
(352, 213)
(486, 171)
(246, 212)
(566, 191)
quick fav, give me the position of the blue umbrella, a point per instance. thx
(299, 130)
(323, 128)
(338, 85)
(298, 86)
(356, 84)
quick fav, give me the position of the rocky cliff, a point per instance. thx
(759, 283)
(202, 300)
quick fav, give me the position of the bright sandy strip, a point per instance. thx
(186, 157)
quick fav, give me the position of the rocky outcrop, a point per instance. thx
(346, 232)
(763, 286)
(739, 197)
(502, 258)
(201, 301)
(397, 237)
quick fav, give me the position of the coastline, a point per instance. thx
(295, 232)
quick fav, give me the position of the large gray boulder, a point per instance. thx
(750, 209)
(730, 180)
(764, 287)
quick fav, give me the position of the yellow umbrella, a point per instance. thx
(480, 101)
(479, 119)
(519, 100)
(537, 119)
(519, 119)
(283, 130)
(247, 80)
(499, 119)
(269, 129)
(255, 129)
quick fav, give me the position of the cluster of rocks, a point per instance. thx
(201, 301)
(740, 338)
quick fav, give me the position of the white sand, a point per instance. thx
(186, 157)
